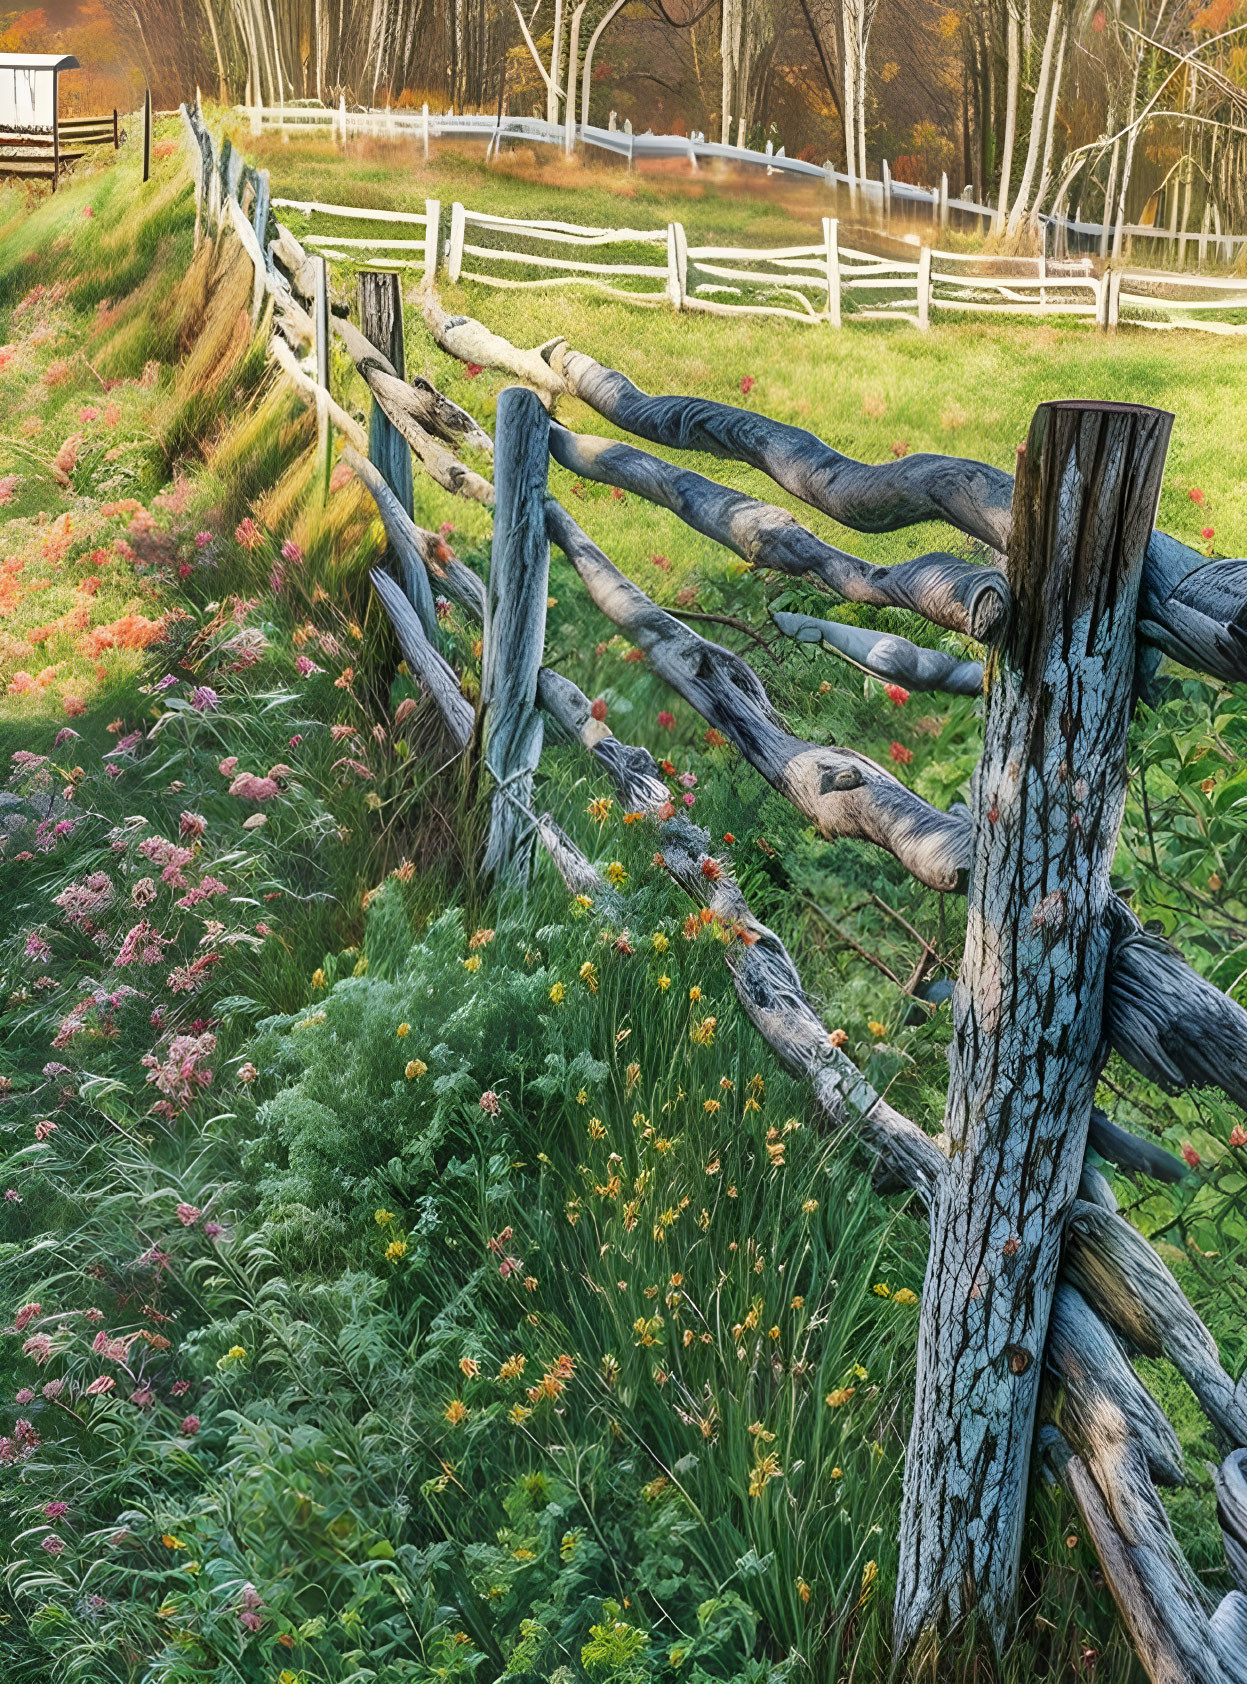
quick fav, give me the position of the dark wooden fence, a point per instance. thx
(29, 155)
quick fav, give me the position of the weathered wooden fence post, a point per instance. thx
(1028, 1009)
(515, 628)
(381, 323)
(147, 134)
(454, 255)
(424, 128)
(320, 321)
(924, 288)
(831, 240)
(432, 238)
(675, 280)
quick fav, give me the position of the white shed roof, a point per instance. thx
(38, 61)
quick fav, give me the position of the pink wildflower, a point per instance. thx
(188, 1215)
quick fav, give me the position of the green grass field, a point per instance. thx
(485, 1303)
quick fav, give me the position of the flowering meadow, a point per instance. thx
(401, 1281)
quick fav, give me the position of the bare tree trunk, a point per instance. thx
(1028, 1010)
(1129, 158)
(1011, 118)
(1038, 113)
(587, 75)
(555, 85)
(1045, 172)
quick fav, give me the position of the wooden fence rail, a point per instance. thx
(891, 198)
(1026, 1280)
(824, 281)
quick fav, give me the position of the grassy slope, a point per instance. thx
(298, 1161)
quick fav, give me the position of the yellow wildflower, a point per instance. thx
(659, 942)
(798, 1303)
(318, 978)
(803, 1590)
(172, 1543)
(599, 808)
(664, 982)
(710, 1106)
(837, 1473)
(403, 1030)
(519, 1413)
(361, 968)
(765, 1469)
(472, 963)
(617, 873)
(469, 1367)
(597, 1129)
(878, 1030)
(589, 976)
(859, 1373)
(839, 1397)
(237, 1352)
(557, 993)
(869, 1574)
(810, 1206)
(881, 1289)
(694, 993)
(584, 902)
(512, 1368)
(582, 1098)
(383, 1217)
(456, 1411)
(904, 1296)
(395, 1250)
(415, 1067)
(702, 1033)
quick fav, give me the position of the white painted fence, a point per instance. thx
(884, 195)
(819, 282)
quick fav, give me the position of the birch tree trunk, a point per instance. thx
(1038, 112)
(1011, 119)
(1028, 1010)
(1045, 170)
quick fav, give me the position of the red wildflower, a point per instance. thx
(598, 708)
(667, 720)
(712, 869)
(896, 693)
(901, 754)
(1191, 1155)
(473, 369)
(1196, 496)
(1207, 532)
(1238, 1135)
(747, 384)
(715, 739)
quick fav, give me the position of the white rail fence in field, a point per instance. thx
(820, 282)
(886, 194)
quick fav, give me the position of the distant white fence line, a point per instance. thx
(819, 282)
(887, 194)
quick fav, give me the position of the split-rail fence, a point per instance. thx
(1039, 1292)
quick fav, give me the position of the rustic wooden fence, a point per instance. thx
(888, 197)
(825, 281)
(1039, 1291)
(39, 155)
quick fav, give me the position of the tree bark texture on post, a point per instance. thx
(515, 628)
(381, 322)
(1028, 1009)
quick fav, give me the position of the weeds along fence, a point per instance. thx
(825, 281)
(886, 197)
(1061, 1286)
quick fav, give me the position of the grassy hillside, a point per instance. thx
(410, 1283)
